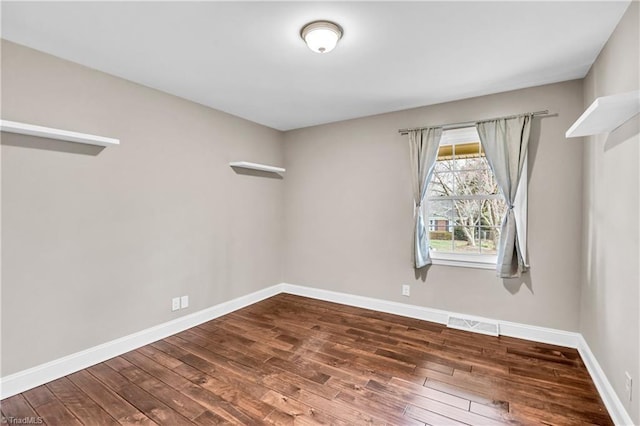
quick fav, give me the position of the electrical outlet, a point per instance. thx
(406, 290)
(175, 303)
(184, 302)
(628, 384)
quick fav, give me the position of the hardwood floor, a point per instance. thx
(293, 360)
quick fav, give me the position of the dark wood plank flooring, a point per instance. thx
(293, 360)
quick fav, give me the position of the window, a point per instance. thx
(465, 206)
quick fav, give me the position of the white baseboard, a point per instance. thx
(512, 329)
(44, 373)
(411, 311)
(616, 410)
(534, 333)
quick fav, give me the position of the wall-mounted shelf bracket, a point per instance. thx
(51, 133)
(606, 114)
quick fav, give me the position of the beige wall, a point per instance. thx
(349, 212)
(610, 307)
(96, 243)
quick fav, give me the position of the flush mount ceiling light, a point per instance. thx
(321, 36)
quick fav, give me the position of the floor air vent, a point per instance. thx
(475, 325)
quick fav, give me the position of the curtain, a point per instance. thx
(505, 142)
(423, 148)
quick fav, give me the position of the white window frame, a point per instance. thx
(483, 261)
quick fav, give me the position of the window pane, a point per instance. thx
(489, 238)
(444, 166)
(492, 212)
(441, 185)
(466, 150)
(490, 179)
(470, 163)
(439, 214)
(467, 212)
(466, 240)
(445, 152)
(438, 242)
(472, 182)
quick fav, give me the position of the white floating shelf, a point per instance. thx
(48, 132)
(256, 166)
(606, 114)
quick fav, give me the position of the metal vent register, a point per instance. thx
(475, 325)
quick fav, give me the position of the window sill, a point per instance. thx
(477, 261)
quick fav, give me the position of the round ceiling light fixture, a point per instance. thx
(321, 36)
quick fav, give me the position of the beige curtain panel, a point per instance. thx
(423, 149)
(505, 142)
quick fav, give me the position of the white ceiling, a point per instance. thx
(247, 59)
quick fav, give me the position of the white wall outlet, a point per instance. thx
(175, 303)
(184, 302)
(628, 384)
(406, 290)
